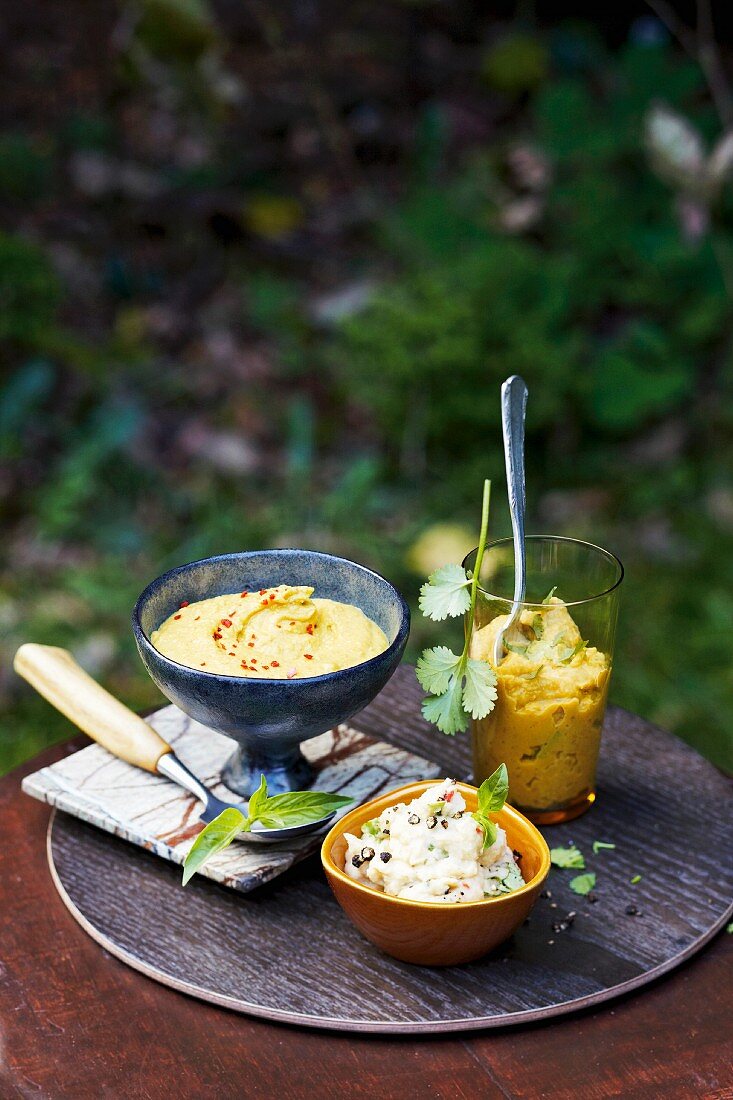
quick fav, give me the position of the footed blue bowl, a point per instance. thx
(269, 718)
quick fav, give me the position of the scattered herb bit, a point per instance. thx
(567, 857)
(635, 879)
(598, 844)
(278, 811)
(538, 626)
(371, 827)
(512, 648)
(632, 911)
(583, 884)
(534, 674)
(550, 594)
(458, 686)
(566, 655)
(729, 928)
(492, 795)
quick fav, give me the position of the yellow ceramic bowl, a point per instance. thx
(435, 933)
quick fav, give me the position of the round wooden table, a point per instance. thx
(75, 1022)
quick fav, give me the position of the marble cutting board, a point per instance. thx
(150, 811)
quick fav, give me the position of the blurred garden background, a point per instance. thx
(263, 268)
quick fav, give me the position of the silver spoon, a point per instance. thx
(56, 676)
(513, 408)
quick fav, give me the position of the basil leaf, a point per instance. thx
(492, 794)
(299, 808)
(258, 799)
(488, 827)
(217, 835)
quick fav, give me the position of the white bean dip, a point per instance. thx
(431, 849)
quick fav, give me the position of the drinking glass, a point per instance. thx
(551, 695)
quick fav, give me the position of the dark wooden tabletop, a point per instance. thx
(75, 1022)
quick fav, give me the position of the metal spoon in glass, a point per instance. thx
(56, 676)
(513, 408)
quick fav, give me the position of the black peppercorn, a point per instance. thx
(413, 819)
(367, 853)
(431, 822)
(444, 823)
(385, 856)
(356, 860)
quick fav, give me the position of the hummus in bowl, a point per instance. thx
(276, 633)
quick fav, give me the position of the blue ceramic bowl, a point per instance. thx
(269, 718)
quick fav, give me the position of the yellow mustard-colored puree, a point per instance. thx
(551, 696)
(275, 633)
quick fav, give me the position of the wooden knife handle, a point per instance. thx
(54, 673)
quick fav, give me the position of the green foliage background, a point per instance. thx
(273, 421)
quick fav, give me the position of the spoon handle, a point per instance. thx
(56, 676)
(513, 409)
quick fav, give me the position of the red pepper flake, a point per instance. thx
(183, 603)
(272, 596)
(266, 668)
(217, 636)
(232, 655)
(309, 628)
(448, 796)
(197, 618)
(264, 603)
(308, 656)
(203, 664)
(262, 591)
(176, 616)
(243, 594)
(251, 645)
(275, 664)
(226, 622)
(253, 660)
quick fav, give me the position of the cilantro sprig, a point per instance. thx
(278, 811)
(492, 794)
(457, 685)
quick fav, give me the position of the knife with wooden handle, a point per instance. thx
(56, 676)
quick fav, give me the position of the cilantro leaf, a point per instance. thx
(445, 593)
(520, 649)
(598, 844)
(532, 675)
(538, 626)
(446, 711)
(479, 692)
(567, 857)
(435, 668)
(583, 884)
(492, 793)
